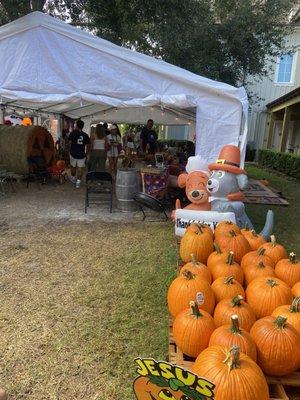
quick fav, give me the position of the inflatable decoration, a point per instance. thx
(221, 199)
(195, 184)
(225, 184)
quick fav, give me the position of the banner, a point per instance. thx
(159, 380)
(184, 218)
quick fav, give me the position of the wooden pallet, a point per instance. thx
(281, 388)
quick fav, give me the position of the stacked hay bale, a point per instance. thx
(17, 143)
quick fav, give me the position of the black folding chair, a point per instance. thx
(98, 183)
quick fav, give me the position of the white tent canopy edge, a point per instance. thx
(52, 67)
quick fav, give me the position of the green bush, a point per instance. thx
(287, 163)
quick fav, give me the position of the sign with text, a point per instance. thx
(184, 218)
(160, 380)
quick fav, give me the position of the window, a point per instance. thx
(284, 70)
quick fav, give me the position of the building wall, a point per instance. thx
(268, 90)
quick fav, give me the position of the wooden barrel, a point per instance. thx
(127, 184)
(17, 143)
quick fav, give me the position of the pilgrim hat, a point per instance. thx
(229, 160)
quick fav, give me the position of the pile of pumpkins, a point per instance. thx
(236, 309)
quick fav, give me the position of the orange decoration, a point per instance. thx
(277, 343)
(228, 307)
(229, 335)
(192, 329)
(274, 250)
(186, 288)
(197, 268)
(265, 294)
(227, 288)
(236, 376)
(288, 270)
(235, 242)
(228, 268)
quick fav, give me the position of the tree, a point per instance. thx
(220, 39)
(10, 10)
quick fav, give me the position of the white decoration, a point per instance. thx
(196, 163)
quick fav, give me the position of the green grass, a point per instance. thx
(78, 303)
(287, 218)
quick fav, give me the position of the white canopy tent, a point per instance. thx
(48, 66)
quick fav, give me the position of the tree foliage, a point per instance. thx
(221, 39)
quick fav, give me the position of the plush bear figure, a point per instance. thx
(194, 182)
(226, 181)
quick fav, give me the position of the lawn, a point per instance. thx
(287, 219)
(81, 300)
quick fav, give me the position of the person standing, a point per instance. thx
(148, 138)
(80, 148)
(98, 156)
(113, 147)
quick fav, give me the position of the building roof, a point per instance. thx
(284, 98)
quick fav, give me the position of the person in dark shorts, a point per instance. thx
(80, 148)
(148, 138)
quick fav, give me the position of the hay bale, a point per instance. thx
(17, 143)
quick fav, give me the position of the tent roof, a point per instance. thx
(52, 66)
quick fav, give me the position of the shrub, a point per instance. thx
(286, 163)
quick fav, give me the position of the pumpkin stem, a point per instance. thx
(261, 265)
(229, 280)
(280, 322)
(237, 301)
(195, 309)
(230, 258)
(188, 274)
(247, 227)
(261, 251)
(295, 305)
(217, 248)
(194, 260)
(254, 233)
(273, 240)
(233, 358)
(292, 257)
(271, 282)
(200, 230)
(232, 233)
(235, 328)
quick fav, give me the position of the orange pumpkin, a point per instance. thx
(197, 268)
(256, 256)
(296, 290)
(226, 288)
(235, 242)
(288, 270)
(255, 240)
(192, 329)
(228, 307)
(265, 294)
(196, 241)
(236, 376)
(146, 389)
(291, 312)
(224, 227)
(186, 288)
(246, 231)
(216, 256)
(258, 270)
(274, 250)
(61, 164)
(228, 268)
(278, 345)
(229, 335)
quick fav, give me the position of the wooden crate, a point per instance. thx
(281, 388)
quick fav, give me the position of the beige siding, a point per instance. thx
(267, 90)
